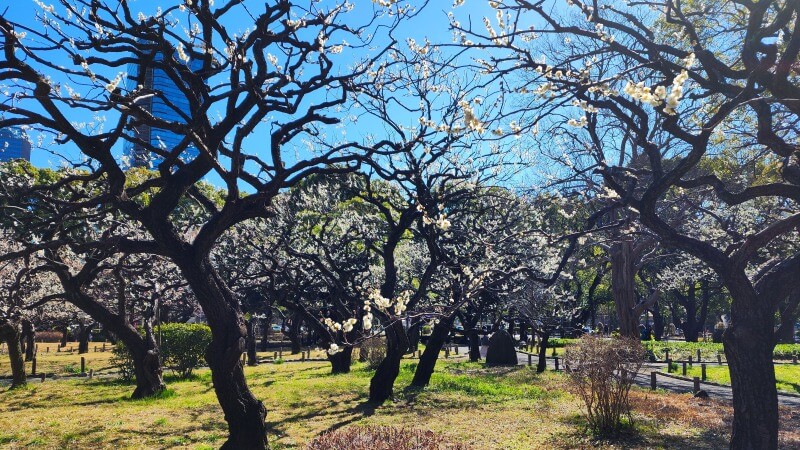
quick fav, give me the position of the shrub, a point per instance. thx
(602, 372)
(382, 438)
(372, 351)
(122, 359)
(183, 346)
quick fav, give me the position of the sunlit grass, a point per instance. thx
(502, 408)
(787, 375)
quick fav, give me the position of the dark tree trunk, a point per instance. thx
(244, 413)
(427, 362)
(624, 287)
(10, 333)
(83, 337)
(28, 339)
(64, 333)
(749, 344)
(266, 326)
(147, 365)
(788, 311)
(294, 334)
(252, 358)
(341, 362)
(523, 335)
(658, 323)
(381, 386)
(542, 365)
(474, 345)
(413, 336)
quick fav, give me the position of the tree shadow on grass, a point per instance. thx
(641, 433)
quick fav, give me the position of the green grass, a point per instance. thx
(508, 408)
(787, 376)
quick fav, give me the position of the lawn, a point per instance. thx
(787, 375)
(512, 408)
(64, 362)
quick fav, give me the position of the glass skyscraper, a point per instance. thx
(13, 145)
(157, 80)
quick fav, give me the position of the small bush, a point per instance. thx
(122, 359)
(602, 372)
(382, 438)
(372, 351)
(183, 346)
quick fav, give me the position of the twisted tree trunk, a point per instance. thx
(28, 339)
(542, 365)
(427, 362)
(252, 357)
(10, 333)
(341, 362)
(244, 413)
(381, 386)
(623, 287)
(749, 345)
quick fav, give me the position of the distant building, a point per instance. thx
(177, 103)
(13, 145)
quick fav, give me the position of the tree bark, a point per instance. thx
(294, 334)
(788, 311)
(749, 345)
(413, 336)
(474, 345)
(427, 362)
(83, 337)
(244, 413)
(64, 333)
(252, 358)
(29, 339)
(542, 365)
(658, 323)
(624, 288)
(381, 386)
(341, 362)
(10, 333)
(267, 326)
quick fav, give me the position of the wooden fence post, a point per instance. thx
(83, 365)
(684, 368)
(696, 385)
(556, 360)
(703, 371)
(33, 366)
(530, 359)
(719, 358)
(669, 365)
(698, 355)
(653, 380)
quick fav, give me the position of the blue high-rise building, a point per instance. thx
(154, 79)
(13, 145)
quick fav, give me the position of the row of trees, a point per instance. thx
(670, 169)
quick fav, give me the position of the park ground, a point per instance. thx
(498, 408)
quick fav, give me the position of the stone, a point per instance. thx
(502, 350)
(701, 394)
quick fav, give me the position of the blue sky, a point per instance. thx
(431, 23)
